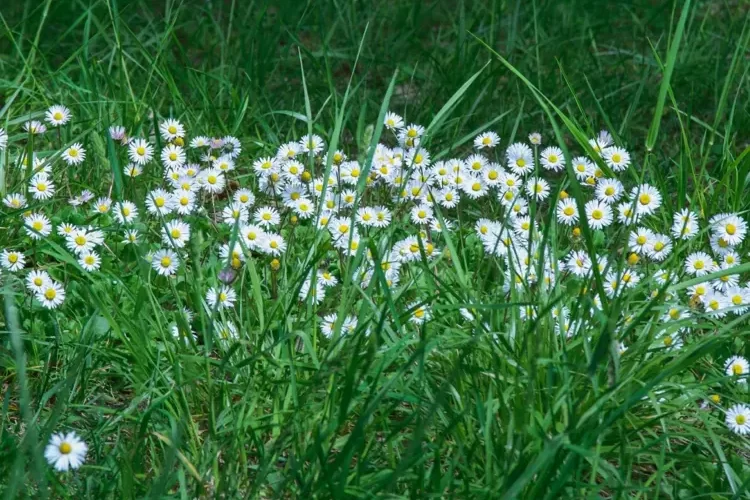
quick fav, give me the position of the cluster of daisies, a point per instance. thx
(257, 205)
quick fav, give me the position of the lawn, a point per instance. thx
(392, 249)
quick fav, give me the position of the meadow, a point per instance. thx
(399, 249)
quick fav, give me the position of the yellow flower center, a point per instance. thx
(273, 244)
(165, 261)
(140, 150)
(644, 199)
(568, 211)
(737, 300)
(616, 158)
(184, 201)
(211, 179)
(57, 116)
(173, 156)
(641, 240)
(267, 216)
(222, 297)
(125, 211)
(740, 419)
(38, 281)
(699, 265)
(609, 191)
(668, 341)
(658, 246)
(89, 259)
(65, 447)
(13, 258)
(73, 152)
(731, 229)
(37, 225)
(172, 129)
(674, 313)
(597, 214)
(737, 369)
(50, 294)
(175, 233)
(419, 313)
(715, 398)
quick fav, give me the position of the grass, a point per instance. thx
(498, 407)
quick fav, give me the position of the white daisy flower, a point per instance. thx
(65, 451)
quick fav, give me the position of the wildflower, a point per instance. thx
(567, 212)
(729, 227)
(12, 261)
(267, 217)
(552, 159)
(65, 451)
(171, 129)
(273, 244)
(738, 419)
(685, 224)
(213, 180)
(538, 188)
(173, 156)
(535, 138)
(520, 158)
(125, 212)
(89, 261)
(245, 197)
(200, 141)
(598, 214)
(223, 297)
(3, 139)
(737, 367)
(117, 132)
(34, 127)
(140, 151)
(698, 264)
(51, 295)
(74, 155)
(393, 121)
(36, 280)
(132, 170)
(583, 168)
(232, 146)
(41, 187)
(165, 262)
(420, 315)
(15, 201)
(176, 233)
(486, 140)
(616, 158)
(37, 226)
(159, 202)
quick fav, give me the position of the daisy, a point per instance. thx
(183, 202)
(159, 202)
(171, 129)
(89, 261)
(393, 121)
(729, 227)
(227, 331)
(34, 127)
(200, 141)
(535, 138)
(609, 190)
(382, 217)
(273, 244)
(252, 236)
(65, 451)
(57, 115)
(117, 133)
(552, 159)
(628, 214)
(600, 142)
(244, 197)
(41, 187)
(420, 315)
(15, 201)
(232, 146)
(173, 156)
(125, 212)
(567, 212)
(267, 217)
(235, 213)
(474, 187)
(287, 151)
(223, 297)
(130, 237)
(165, 262)
(486, 140)
(311, 143)
(79, 241)
(12, 261)
(51, 295)
(223, 163)
(36, 280)
(304, 208)
(659, 247)
(102, 205)
(213, 180)
(616, 158)
(737, 367)
(74, 155)
(421, 214)
(738, 299)
(538, 188)
(647, 198)
(598, 214)
(132, 170)
(140, 151)
(3, 139)
(520, 158)
(640, 240)
(583, 168)
(698, 264)
(38, 226)
(175, 233)
(738, 419)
